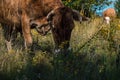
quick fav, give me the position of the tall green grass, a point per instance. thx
(97, 60)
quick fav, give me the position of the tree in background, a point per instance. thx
(86, 7)
(117, 6)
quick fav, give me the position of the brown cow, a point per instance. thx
(11, 31)
(22, 15)
(109, 14)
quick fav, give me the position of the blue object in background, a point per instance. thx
(104, 7)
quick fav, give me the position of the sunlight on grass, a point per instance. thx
(97, 60)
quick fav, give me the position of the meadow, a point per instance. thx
(95, 55)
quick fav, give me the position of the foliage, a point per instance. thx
(117, 6)
(86, 7)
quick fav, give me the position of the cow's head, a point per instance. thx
(62, 22)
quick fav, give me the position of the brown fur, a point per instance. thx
(21, 14)
(110, 12)
(109, 15)
(18, 13)
(36, 23)
(63, 25)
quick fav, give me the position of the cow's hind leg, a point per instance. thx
(8, 44)
(7, 35)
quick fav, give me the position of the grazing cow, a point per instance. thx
(22, 15)
(109, 14)
(11, 31)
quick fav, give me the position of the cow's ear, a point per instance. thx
(76, 15)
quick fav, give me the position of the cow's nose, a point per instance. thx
(62, 51)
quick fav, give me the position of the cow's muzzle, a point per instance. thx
(41, 28)
(60, 51)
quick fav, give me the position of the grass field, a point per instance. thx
(95, 55)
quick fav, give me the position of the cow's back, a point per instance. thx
(109, 13)
(9, 11)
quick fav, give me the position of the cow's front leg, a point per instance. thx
(26, 31)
